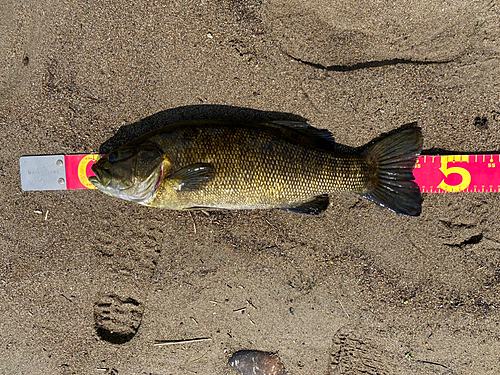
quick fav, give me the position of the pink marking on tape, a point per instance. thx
(458, 173)
(78, 170)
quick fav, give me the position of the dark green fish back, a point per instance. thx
(253, 166)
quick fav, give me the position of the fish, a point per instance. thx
(229, 164)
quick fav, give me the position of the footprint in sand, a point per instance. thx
(117, 319)
(353, 355)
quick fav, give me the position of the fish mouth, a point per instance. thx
(94, 180)
(102, 177)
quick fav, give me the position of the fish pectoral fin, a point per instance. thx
(192, 177)
(313, 207)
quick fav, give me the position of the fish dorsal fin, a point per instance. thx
(192, 177)
(313, 207)
(321, 138)
(291, 124)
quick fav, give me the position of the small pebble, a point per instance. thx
(254, 362)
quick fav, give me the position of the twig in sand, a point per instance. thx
(197, 359)
(177, 342)
(194, 223)
(340, 303)
(437, 364)
(69, 299)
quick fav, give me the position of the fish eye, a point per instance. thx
(112, 157)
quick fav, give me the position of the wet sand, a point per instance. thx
(89, 284)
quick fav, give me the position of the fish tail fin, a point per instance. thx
(391, 162)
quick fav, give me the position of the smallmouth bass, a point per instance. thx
(219, 164)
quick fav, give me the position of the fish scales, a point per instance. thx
(255, 168)
(241, 165)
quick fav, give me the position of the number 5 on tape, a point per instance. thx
(446, 170)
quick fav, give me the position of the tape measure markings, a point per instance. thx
(458, 173)
(477, 173)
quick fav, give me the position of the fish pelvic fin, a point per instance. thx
(313, 207)
(391, 161)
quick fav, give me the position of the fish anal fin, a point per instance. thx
(192, 177)
(312, 207)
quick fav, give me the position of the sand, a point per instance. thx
(89, 284)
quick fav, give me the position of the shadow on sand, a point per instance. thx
(191, 112)
(129, 132)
